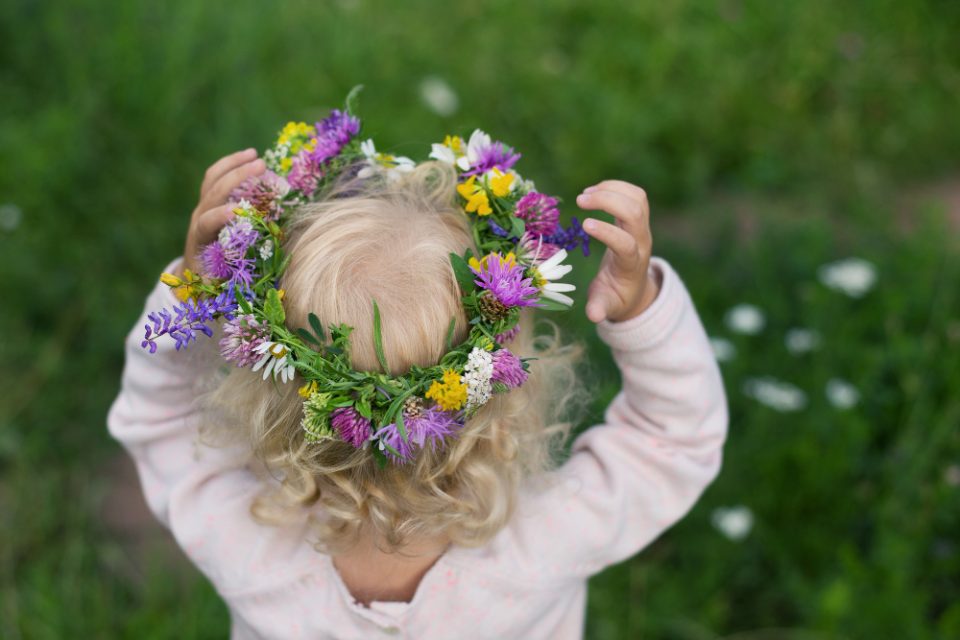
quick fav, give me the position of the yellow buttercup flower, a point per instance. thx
(286, 164)
(451, 394)
(455, 143)
(510, 259)
(476, 197)
(170, 280)
(500, 183)
(308, 389)
(293, 134)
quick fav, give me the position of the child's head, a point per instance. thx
(390, 242)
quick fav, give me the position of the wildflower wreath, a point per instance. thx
(522, 246)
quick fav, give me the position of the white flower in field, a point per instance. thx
(799, 341)
(852, 276)
(10, 216)
(746, 319)
(439, 96)
(723, 349)
(951, 475)
(841, 394)
(733, 522)
(776, 394)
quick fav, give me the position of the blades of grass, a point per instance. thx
(378, 338)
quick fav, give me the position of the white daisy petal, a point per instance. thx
(558, 297)
(443, 153)
(553, 260)
(262, 361)
(559, 286)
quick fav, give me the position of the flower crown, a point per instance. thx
(515, 227)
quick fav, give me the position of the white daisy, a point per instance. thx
(852, 276)
(443, 153)
(392, 166)
(274, 361)
(548, 272)
(478, 142)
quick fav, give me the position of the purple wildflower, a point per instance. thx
(508, 335)
(241, 336)
(537, 247)
(497, 230)
(226, 259)
(570, 237)
(304, 174)
(495, 155)
(187, 319)
(265, 193)
(214, 262)
(333, 134)
(540, 213)
(504, 279)
(340, 126)
(508, 369)
(237, 236)
(432, 425)
(351, 426)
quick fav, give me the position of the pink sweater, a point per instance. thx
(627, 480)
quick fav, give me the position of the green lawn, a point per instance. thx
(773, 138)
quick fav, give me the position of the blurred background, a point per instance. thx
(803, 164)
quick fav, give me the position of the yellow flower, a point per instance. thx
(451, 394)
(455, 143)
(286, 164)
(170, 280)
(510, 259)
(185, 292)
(293, 133)
(476, 197)
(500, 182)
(308, 389)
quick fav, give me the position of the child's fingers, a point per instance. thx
(626, 188)
(596, 308)
(223, 165)
(630, 212)
(625, 249)
(211, 222)
(231, 180)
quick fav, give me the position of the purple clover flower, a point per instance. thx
(351, 426)
(508, 335)
(241, 336)
(508, 369)
(186, 320)
(265, 193)
(433, 425)
(504, 279)
(540, 213)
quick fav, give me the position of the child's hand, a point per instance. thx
(623, 288)
(212, 212)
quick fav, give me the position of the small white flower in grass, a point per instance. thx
(746, 319)
(551, 270)
(733, 522)
(799, 341)
(723, 349)
(274, 360)
(10, 216)
(852, 276)
(476, 375)
(266, 249)
(951, 475)
(439, 96)
(841, 394)
(776, 394)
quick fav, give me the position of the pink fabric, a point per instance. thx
(627, 481)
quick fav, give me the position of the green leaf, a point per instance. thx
(242, 302)
(400, 426)
(352, 99)
(378, 338)
(273, 308)
(453, 325)
(462, 271)
(517, 227)
(307, 336)
(317, 327)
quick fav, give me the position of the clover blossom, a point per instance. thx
(241, 337)
(265, 193)
(507, 369)
(186, 320)
(351, 426)
(539, 213)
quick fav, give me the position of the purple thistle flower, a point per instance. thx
(496, 155)
(214, 262)
(570, 237)
(237, 236)
(241, 336)
(504, 279)
(540, 213)
(265, 193)
(433, 425)
(188, 319)
(508, 335)
(508, 369)
(351, 426)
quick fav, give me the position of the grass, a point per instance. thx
(816, 114)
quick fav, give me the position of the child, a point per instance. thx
(471, 533)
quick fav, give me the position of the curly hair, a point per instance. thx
(390, 241)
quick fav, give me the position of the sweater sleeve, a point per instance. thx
(201, 493)
(636, 474)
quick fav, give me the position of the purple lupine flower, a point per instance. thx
(504, 279)
(508, 335)
(214, 262)
(570, 237)
(508, 369)
(265, 193)
(241, 336)
(351, 426)
(540, 213)
(188, 319)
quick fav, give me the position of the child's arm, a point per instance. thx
(634, 476)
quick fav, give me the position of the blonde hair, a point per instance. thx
(390, 242)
